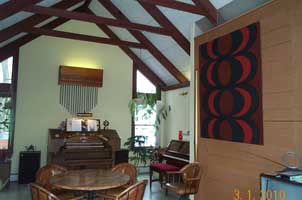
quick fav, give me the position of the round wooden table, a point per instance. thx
(89, 180)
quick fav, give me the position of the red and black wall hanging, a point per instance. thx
(231, 87)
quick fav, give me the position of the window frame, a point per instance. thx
(10, 90)
(134, 95)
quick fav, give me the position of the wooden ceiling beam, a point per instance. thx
(209, 8)
(182, 41)
(176, 86)
(177, 5)
(12, 7)
(148, 44)
(142, 67)
(17, 28)
(7, 50)
(82, 37)
(94, 19)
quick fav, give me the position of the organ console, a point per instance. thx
(83, 150)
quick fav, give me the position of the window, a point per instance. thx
(144, 120)
(7, 99)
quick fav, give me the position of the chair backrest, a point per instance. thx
(134, 192)
(191, 174)
(127, 169)
(39, 193)
(44, 173)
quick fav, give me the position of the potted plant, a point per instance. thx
(140, 155)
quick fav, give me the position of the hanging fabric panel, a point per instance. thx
(78, 99)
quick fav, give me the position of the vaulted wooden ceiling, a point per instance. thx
(155, 34)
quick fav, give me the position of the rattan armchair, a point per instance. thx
(185, 181)
(40, 193)
(134, 192)
(43, 176)
(124, 168)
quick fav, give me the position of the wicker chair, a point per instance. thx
(40, 193)
(134, 192)
(185, 181)
(43, 176)
(124, 168)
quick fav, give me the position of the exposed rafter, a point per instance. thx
(12, 7)
(148, 44)
(212, 12)
(17, 28)
(177, 5)
(176, 86)
(10, 48)
(140, 64)
(94, 19)
(82, 37)
(144, 69)
(165, 22)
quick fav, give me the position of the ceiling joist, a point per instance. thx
(12, 7)
(148, 44)
(9, 49)
(34, 20)
(176, 86)
(177, 5)
(82, 37)
(94, 19)
(209, 8)
(140, 64)
(182, 41)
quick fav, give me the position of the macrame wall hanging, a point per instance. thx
(79, 88)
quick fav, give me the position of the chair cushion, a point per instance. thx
(163, 167)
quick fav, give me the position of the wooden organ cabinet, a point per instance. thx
(83, 150)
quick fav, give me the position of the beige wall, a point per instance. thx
(228, 165)
(38, 105)
(178, 117)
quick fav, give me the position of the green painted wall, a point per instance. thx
(38, 105)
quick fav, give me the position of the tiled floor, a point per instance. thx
(21, 192)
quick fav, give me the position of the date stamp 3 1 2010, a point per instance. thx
(265, 195)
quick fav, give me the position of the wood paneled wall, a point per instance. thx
(228, 165)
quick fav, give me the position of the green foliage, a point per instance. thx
(5, 114)
(141, 154)
(147, 103)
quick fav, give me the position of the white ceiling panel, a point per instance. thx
(14, 19)
(160, 71)
(135, 12)
(142, 53)
(182, 20)
(2, 44)
(178, 57)
(3, 1)
(99, 10)
(123, 34)
(220, 3)
(162, 42)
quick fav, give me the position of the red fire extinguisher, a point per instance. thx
(180, 135)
